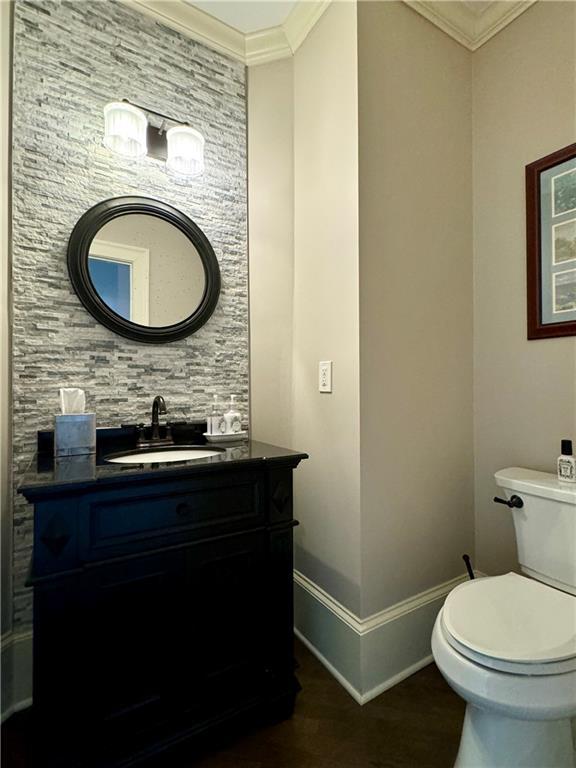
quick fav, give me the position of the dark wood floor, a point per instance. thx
(416, 724)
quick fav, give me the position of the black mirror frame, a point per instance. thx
(89, 224)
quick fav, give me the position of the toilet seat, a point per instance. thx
(512, 624)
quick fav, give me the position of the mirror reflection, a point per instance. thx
(146, 270)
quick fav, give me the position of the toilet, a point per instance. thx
(507, 644)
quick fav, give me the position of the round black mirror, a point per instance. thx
(143, 269)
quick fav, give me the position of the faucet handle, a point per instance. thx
(140, 429)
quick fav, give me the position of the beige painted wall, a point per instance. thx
(5, 432)
(525, 391)
(271, 248)
(456, 122)
(326, 313)
(415, 114)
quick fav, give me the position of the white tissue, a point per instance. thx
(72, 400)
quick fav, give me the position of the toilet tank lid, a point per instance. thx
(536, 483)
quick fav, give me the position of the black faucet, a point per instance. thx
(158, 409)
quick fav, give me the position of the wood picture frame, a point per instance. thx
(551, 244)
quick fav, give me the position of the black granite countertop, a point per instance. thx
(46, 475)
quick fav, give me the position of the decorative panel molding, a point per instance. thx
(364, 626)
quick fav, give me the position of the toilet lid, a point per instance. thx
(513, 619)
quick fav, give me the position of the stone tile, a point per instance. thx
(70, 59)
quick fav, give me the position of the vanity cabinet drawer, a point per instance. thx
(120, 522)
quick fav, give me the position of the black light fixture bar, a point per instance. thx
(156, 131)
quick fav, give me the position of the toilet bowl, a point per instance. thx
(507, 646)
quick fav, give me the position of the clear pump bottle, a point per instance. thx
(233, 417)
(217, 423)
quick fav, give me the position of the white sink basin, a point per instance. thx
(163, 455)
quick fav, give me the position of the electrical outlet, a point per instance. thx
(325, 376)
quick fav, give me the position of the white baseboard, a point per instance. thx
(362, 698)
(397, 678)
(16, 670)
(368, 656)
(333, 671)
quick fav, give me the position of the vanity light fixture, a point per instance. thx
(185, 150)
(134, 131)
(125, 129)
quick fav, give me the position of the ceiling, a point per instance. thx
(247, 15)
(257, 31)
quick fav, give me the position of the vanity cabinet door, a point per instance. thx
(219, 628)
(126, 631)
(103, 660)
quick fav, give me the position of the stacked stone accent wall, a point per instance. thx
(70, 59)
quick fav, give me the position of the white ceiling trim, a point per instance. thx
(498, 16)
(456, 19)
(466, 27)
(253, 48)
(266, 45)
(301, 20)
(194, 23)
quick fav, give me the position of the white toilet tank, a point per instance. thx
(545, 526)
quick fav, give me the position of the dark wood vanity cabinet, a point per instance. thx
(162, 610)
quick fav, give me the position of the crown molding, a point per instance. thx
(253, 48)
(466, 27)
(301, 20)
(498, 16)
(192, 22)
(456, 19)
(267, 45)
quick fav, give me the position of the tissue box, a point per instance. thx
(74, 434)
(70, 468)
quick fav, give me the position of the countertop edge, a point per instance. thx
(39, 489)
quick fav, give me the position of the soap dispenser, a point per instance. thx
(567, 463)
(216, 422)
(232, 417)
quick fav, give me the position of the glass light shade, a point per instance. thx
(185, 150)
(125, 129)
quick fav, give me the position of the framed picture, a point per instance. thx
(551, 243)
